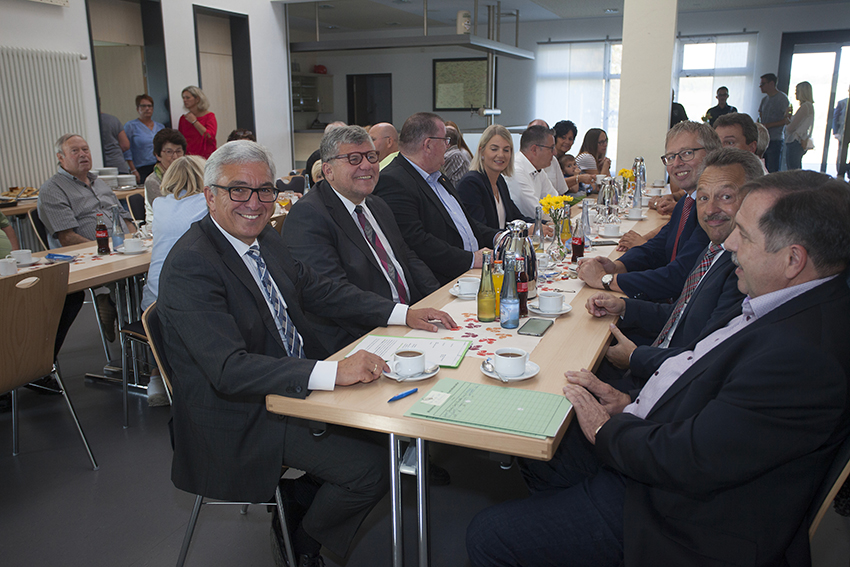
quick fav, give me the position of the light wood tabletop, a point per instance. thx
(90, 272)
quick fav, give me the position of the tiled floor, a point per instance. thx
(54, 510)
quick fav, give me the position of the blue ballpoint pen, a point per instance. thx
(403, 395)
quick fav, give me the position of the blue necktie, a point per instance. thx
(291, 339)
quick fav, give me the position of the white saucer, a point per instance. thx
(455, 290)
(415, 378)
(604, 236)
(28, 264)
(642, 217)
(531, 370)
(533, 307)
(120, 250)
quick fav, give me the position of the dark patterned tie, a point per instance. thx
(686, 212)
(290, 336)
(375, 242)
(690, 285)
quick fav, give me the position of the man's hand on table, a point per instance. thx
(630, 240)
(421, 319)
(361, 366)
(593, 400)
(479, 257)
(620, 353)
(591, 270)
(603, 304)
(665, 205)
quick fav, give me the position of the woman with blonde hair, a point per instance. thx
(484, 191)
(198, 125)
(798, 133)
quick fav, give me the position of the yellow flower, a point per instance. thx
(628, 174)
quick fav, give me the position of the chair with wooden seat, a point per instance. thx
(837, 473)
(151, 322)
(31, 306)
(136, 204)
(38, 227)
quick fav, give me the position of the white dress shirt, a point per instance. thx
(556, 177)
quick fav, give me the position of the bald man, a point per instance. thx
(385, 137)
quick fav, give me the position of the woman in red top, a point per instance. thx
(198, 125)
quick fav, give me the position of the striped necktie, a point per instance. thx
(686, 212)
(690, 285)
(375, 242)
(290, 336)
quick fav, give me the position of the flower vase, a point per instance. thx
(559, 247)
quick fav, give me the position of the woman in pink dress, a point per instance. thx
(198, 125)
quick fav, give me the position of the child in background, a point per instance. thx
(573, 175)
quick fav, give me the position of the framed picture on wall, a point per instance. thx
(460, 84)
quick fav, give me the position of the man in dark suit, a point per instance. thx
(427, 209)
(657, 270)
(720, 456)
(343, 232)
(709, 292)
(232, 303)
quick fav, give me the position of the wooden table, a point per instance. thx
(116, 267)
(576, 340)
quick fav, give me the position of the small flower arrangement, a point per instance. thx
(626, 174)
(558, 209)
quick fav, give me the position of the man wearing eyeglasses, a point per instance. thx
(342, 231)
(657, 269)
(426, 207)
(529, 182)
(232, 305)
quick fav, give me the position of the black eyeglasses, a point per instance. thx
(354, 158)
(684, 155)
(550, 148)
(241, 194)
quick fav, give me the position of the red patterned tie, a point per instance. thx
(686, 212)
(389, 268)
(690, 286)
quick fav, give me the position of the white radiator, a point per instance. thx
(40, 99)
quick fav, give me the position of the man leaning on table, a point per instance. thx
(720, 456)
(657, 269)
(232, 303)
(427, 209)
(710, 290)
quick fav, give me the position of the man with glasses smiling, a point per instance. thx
(232, 305)
(657, 269)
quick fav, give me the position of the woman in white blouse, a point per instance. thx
(591, 158)
(798, 132)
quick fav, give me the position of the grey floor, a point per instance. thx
(54, 510)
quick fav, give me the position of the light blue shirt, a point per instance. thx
(141, 142)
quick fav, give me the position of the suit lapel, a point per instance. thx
(426, 189)
(339, 214)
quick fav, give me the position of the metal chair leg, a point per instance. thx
(190, 529)
(125, 378)
(58, 378)
(15, 422)
(290, 555)
(244, 509)
(100, 326)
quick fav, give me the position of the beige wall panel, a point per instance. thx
(214, 35)
(116, 21)
(120, 79)
(217, 80)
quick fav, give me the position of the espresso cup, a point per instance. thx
(467, 286)
(610, 230)
(510, 362)
(21, 256)
(409, 362)
(8, 267)
(635, 214)
(133, 245)
(550, 301)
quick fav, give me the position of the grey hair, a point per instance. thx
(60, 143)
(238, 152)
(416, 128)
(733, 156)
(342, 135)
(203, 101)
(706, 136)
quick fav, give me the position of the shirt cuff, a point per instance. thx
(323, 376)
(399, 315)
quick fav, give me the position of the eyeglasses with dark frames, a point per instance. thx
(241, 194)
(355, 158)
(684, 155)
(446, 139)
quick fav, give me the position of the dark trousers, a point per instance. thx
(794, 155)
(574, 515)
(773, 156)
(144, 171)
(73, 304)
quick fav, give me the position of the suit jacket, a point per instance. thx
(723, 469)
(320, 233)
(226, 355)
(477, 198)
(425, 223)
(717, 293)
(651, 275)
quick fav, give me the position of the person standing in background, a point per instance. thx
(715, 112)
(799, 130)
(677, 112)
(114, 141)
(140, 133)
(198, 125)
(773, 111)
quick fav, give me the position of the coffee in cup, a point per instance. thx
(510, 362)
(468, 286)
(408, 363)
(23, 256)
(550, 301)
(133, 245)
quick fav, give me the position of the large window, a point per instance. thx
(580, 81)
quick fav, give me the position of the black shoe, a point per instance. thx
(438, 476)
(311, 561)
(47, 386)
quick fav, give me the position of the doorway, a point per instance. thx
(370, 99)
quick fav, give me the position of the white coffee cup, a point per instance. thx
(550, 301)
(8, 267)
(510, 362)
(468, 286)
(409, 362)
(635, 214)
(22, 256)
(542, 260)
(610, 230)
(644, 201)
(133, 245)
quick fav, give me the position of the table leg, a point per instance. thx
(422, 502)
(395, 495)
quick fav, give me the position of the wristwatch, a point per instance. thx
(606, 281)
